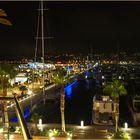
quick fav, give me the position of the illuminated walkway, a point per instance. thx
(20, 137)
(85, 132)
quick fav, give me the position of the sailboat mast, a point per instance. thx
(42, 42)
(42, 28)
(37, 34)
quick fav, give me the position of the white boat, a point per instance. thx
(103, 110)
(136, 103)
(136, 109)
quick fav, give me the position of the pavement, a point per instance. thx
(78, 132)
(93, 132)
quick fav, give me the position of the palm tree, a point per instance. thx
(23, 89)
(61, 77)
(115, 89)
(7, 72)
(3, 20)
(3, 74)
(34, 118)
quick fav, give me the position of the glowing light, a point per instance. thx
(11, 136)
(1, 130)
(40, 121)
(69, 135)
(29, 92)
(52, 138)
(82, 124)
(40, 127)
(17, 129)
(68, 89)
(97, 104)
(125, 125)
(5, 135)
(69, 138)
(109, 137)
(26, 114)
(50, 134)
(126, 136)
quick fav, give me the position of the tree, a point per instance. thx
(115, 89)
(34, 118)
(61, 77)
(3, 20)
(23, 89)
(3, 74)
(7, 72)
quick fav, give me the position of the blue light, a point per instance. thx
(69, 68)
(68, 89)
(26, 114)
(87, 73)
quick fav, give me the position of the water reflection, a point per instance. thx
(26, 114)
(78, 104)
(68, 89)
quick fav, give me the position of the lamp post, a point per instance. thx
(125, 126)
(82, 124)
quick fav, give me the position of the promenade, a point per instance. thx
(78, 132)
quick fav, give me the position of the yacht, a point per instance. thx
(136, 103)
(136, 108)
(103, 110)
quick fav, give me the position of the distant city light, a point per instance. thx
(103, 77)
(31, 65)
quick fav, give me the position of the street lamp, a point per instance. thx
(103, 77)
(82, 124)
(125, 125)
(120, 77)
(40, 124)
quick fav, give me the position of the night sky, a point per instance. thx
(77, 27)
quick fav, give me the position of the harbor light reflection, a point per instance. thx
(68, 89)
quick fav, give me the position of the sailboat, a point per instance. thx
(41, 20)
(44, 66)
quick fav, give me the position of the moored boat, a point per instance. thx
(103, 110)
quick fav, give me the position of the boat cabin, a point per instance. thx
(103, 110)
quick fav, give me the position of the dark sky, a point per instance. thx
(77, 27)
